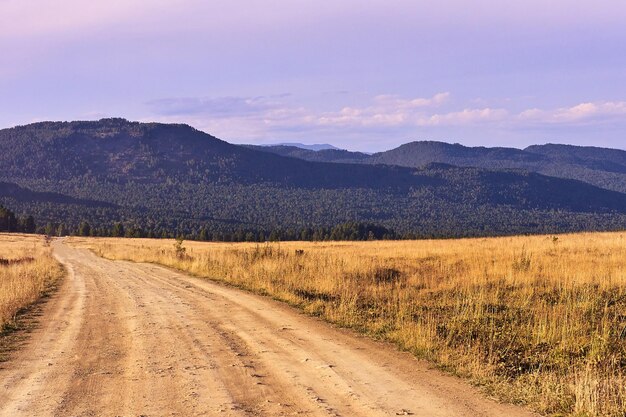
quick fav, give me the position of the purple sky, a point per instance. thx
(361, 75)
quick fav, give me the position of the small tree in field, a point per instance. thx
(178, 247)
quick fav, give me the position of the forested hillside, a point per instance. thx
(323, 155)
(602, 167)
(156, 179)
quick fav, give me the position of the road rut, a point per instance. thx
(127, 339)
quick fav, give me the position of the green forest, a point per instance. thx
(10, 223)
(118, 178)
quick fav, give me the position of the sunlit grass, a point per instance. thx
(27, 270)
(534, 320)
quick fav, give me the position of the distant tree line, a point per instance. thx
(9, 222)
(469, 222)
(346, 231)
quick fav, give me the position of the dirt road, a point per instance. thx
(125, 339)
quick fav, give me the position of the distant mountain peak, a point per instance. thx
(314, 147)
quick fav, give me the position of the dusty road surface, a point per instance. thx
(125, 339)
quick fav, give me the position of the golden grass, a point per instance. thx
(534, 320)
(30, 272)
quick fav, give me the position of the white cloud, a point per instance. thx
(465, 117)
(217, 107)
(583, 113)
(385, 110)
(271, 111)
(257, 118)
(397, 102)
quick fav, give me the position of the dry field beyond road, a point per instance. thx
(535, 320)
(27, 271)
(126, 339)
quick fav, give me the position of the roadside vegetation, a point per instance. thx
(27, 271)
(534, 320)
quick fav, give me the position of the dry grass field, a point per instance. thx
(27, 270)
(534, 320)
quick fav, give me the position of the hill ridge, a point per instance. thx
(168, 177)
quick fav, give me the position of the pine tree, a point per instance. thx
(8, 222)
(84, 229)
(26, 225)
(50, 229)
(118, 230)
(274, 236)
(62, 230)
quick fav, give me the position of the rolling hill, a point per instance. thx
(162, 178)
(605, 168)
(313, 147)
(602, 167)
(322, 155)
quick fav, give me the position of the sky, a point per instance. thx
(362, 75)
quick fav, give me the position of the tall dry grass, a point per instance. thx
(27, 270)
(534, 320)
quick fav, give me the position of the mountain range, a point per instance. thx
(313, 147)
(171, 179)
(603, 167)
